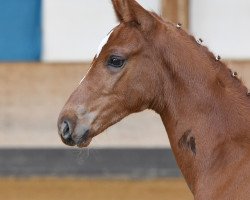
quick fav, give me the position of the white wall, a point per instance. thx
(224, 25)
(73, 29)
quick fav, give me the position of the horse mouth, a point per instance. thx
(85, 140)
(84, 143)
(80, 141)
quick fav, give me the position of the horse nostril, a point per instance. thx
(65, 130)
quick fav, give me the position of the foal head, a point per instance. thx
(123, 77)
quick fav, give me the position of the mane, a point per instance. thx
(223, 72)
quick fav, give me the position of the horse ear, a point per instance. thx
(119, 6)
(131, 11)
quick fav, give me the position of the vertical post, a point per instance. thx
(176, 11)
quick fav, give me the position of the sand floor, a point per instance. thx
(76, 189)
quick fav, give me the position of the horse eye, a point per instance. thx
(116, 61)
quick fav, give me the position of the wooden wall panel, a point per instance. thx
(33, 94)
(176, 11)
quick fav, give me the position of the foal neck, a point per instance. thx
(205, 109)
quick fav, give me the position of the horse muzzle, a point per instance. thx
(72, 133)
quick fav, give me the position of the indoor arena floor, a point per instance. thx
(77, 189)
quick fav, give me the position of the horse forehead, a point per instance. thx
(127, 35)
(103, 43)
(123, 36)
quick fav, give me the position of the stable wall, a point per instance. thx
(72, 30)
(32, 96)
(223, 25)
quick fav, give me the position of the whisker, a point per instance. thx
(83, 155)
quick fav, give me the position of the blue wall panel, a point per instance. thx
(20, 30)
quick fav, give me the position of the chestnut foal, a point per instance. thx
(147, 63)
